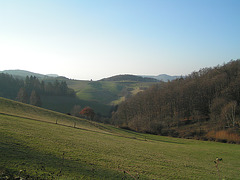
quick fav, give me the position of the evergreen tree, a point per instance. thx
(35, 99)
(63, 88)
(22, 95)
(9, 86)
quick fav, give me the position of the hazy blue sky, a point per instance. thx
(93, 39)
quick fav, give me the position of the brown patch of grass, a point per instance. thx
(223, 136)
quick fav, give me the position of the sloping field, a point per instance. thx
(17, 109)
(106, 92)
(33, 146)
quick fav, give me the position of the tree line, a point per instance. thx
(210, 95)
(31, 89)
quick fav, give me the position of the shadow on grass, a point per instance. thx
(20, 160)
(136, 135)
(146, 137)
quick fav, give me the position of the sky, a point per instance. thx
(95, 39)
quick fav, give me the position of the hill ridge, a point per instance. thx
(162, 77)
(129, 77)
(24, 73)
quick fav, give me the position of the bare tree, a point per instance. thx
(229, 113)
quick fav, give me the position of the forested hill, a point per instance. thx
(23, 74)
(198, 105)
(128, 77)
(22, 90)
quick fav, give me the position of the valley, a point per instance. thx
(120, 90)
(33, 145)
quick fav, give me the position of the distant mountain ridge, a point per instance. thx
(129, 77)
(126, 77)
(23, 73)
(52, 75)
(163, 77)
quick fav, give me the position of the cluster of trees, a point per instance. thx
(47, 88)
(9, 86)
(211, 94)
(89, 113)
(34, 98)
(31, 89)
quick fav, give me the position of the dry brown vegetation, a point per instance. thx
(192, 107)
(224, 136)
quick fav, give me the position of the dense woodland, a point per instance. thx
(202, 102)
(30, 89)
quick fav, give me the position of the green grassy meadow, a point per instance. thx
(106, 92)
(33, 145)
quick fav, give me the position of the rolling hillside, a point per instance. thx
(99, 95)
(107, 92)
(33, 146)
(129, 77)
(17, 109)
(23, 74)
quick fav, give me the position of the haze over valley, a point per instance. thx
(120, 89)
(93, 40)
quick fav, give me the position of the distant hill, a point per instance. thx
(126, 77)
(129, 77)
(22, 74)
(162, 77)
(99, 95)
(52, 75)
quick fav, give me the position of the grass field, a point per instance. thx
(33, 145)
(106, 92)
